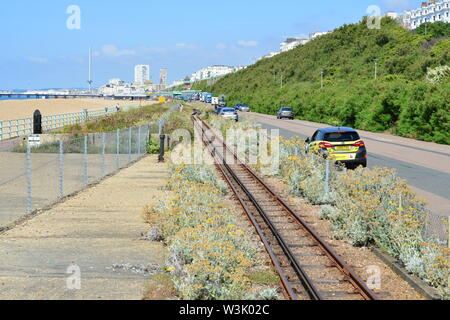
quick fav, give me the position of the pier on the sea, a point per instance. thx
(26, 95)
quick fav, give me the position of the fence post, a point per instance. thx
(117, 149)
(449, 232)
(29, 180)
(103, 154)
(1, 130)
(61, 169)
(129, 144)
(139, 141)
(327, 177)
(85, 162)
(149, 135)
(162, 140)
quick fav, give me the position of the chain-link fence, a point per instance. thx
(40, 176)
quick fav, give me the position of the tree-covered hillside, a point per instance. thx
(409, 97)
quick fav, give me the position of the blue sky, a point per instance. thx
(39, 51)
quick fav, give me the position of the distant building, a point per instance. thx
(269, 55)
(177, 83)
(432, 11)
(316, 35)
(141, 74)
(116, 82)
(239, 68)
(163, 77)
(117, 87)
(211, 72)
(391, 14)
(292, 43)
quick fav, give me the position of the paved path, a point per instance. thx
(425, 165)
(95, 230)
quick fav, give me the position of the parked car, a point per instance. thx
(229, 113)
(343, 145)
(244, 108)
(285, 113)
(218, 109)
(222, 101)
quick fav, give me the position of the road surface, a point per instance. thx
(425, 165)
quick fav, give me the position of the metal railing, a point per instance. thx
(22, 127)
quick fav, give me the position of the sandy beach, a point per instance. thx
(19, 109)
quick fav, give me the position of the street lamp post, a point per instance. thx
(321, 78)
(376, 68)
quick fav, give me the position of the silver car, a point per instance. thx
(244, 108)
(285, 113)
(229, 113)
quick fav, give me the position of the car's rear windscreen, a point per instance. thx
(342, 136)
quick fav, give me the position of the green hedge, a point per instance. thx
(400, 101)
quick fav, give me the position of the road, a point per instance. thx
(425, 165)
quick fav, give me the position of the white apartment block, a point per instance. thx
(118, 87)
(292, 43)
(163, 77)
(211, 72)
(433, 11)
(269, 55)
(315, 35)
(141, 74)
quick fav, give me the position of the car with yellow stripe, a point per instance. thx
(340, 144)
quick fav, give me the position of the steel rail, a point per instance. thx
(311, 290)
(284, 280)
(350, 276)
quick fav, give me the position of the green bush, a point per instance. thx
(153, 147)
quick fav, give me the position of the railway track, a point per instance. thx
(308, 267)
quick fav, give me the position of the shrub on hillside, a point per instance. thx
(400, 101)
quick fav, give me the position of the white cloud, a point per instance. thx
(186, 46)
(112, 51)
(247, 43)
(397, 4)
(38, 60)
(221, 46)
